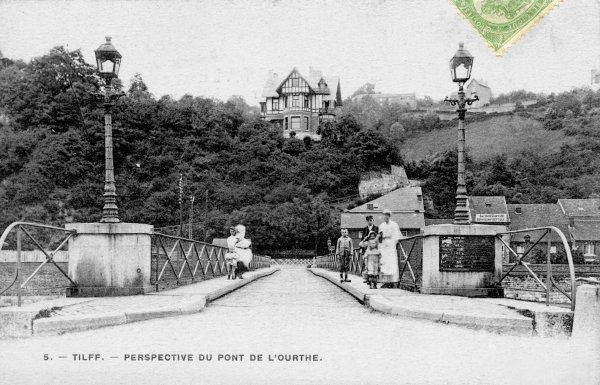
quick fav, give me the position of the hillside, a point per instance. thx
(499, 135)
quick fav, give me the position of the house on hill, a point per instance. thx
(583, 225)
(406, 100)
(405, 203)
(299, 103)
(483, 91)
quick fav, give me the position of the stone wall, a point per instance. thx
(373, 183)
(48, 281)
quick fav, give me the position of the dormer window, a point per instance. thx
(518, 210)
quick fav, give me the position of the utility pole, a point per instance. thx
(181, 205)
(205, 215)
(191, 232)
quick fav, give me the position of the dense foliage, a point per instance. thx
(52, 158)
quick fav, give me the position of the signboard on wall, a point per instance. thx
(491, 218)
(467, 253)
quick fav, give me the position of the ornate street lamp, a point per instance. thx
(108, 60)
(460, 69)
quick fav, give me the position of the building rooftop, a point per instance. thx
(585, 230)
(580, 207)
(404, 220)
(524, 216)
(403, 199)
(405, 203)
(274, 81)
(488, 205)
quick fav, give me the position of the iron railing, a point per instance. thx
(549, 279)
(407, 261)
(332, 262)
(195, 260)
(25, 227)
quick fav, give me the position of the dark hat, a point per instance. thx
(369, 217)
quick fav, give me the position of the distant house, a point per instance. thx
(484, 92)
(405, 203)
(406, 100)
(298, 103)
(489, 210)
(584, 225)
(528, 216)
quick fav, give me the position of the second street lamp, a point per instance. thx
(108, 60)
(460, 69)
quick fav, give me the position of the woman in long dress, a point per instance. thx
(389, 235)
(243, 251)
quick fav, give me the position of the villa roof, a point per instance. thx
(274, 81)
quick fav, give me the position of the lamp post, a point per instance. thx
(108, 60)
(460, 69)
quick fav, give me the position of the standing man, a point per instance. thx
(367, 230)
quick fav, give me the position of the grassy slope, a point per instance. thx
(504, 134)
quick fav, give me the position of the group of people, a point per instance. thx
(239, 252)
(378, 247)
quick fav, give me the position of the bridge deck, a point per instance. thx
(296, 312)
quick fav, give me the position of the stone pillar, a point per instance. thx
(464, 282)
(586, 332)
(110, 259)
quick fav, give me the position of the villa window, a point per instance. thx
(296, 101)
(306, 101)
(589, 249)
(295, 82)
(295, 123)
(306, 123)
(285, 124)
(275, 104)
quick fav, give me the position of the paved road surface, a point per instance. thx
(292, 312)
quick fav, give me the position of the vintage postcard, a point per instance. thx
(300, 192)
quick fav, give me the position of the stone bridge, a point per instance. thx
(286, 322)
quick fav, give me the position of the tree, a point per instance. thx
(365, 89)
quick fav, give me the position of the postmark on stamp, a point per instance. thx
(502, 22)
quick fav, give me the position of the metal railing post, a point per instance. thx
(19, 266)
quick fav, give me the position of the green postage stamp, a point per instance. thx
(502, 22)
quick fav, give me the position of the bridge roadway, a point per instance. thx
(291, 312)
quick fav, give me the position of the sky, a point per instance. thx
(219, 48)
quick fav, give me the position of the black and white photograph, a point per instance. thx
(357, 192)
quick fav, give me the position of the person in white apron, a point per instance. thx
(389, 235)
